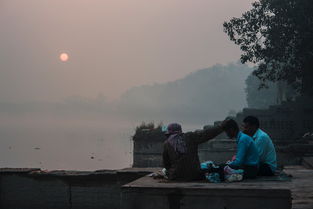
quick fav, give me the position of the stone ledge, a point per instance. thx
(198, 195)
(61, 173)
(18, 170)
(308, 162)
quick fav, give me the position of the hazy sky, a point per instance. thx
(113, 44)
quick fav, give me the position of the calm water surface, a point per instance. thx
(52, 142)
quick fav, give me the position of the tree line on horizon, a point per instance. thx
(203, 96)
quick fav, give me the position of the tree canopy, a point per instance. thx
(277, 35)
(275, 93)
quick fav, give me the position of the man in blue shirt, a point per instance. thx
(264, 144)
(247, 157)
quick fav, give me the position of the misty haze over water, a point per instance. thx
(91, 134)
(64, 142)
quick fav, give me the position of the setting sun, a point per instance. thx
(64, 57)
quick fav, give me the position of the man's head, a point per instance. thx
(231, 128)
(250, 125)
(173, 128)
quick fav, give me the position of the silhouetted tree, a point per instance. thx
(274, 93)
(260, 98)
(277, 35)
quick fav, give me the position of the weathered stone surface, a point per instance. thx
(130, 174)
(147, 193)
(95, 190)
(18, 170)
(301, 187)
(25, 192)
(285, 122)
(34, 188)
(308, 162)
(148, 146)
(95, 197)
(100, 189)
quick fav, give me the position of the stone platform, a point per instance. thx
(37, 189)
(149, 193)
(265, 193)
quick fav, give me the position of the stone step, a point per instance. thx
(149, 193)
(308, 162)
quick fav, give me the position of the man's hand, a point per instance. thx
(223, 124)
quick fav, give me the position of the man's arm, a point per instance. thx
(166, 159)
(241, 152)
(261, 145)
(202, 136)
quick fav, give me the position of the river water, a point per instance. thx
(48, 141)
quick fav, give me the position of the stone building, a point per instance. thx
(286, 122)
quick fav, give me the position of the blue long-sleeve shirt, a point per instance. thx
(266, 149)
(247, 153)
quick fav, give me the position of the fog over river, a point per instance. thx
(58, 142)
(90, 134)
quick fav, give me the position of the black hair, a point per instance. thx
(251, 120)
(231, 124)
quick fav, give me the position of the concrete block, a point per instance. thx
(95, 192)
(148, 193)
(128, 175)
(26, 192)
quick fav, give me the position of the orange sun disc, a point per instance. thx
(64, 57)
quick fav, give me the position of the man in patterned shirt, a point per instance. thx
(180, 154)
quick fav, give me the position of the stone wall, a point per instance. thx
(148, 147)
(36, 189)
(286, 122)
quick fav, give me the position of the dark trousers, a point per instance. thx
(265, 170)
(249, 172)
